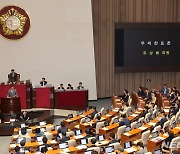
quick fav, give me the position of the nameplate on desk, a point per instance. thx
(81, 147)
(166, 110)
(130, 150)
(15, 136)
(108, 115)
(53, 142)
(142, 128)
(140, 108)
(134, 115)
(78, 137)
(66, 150)
(151, 123)
(127, 134)
(68, 120)
(104, 128)
(116, 110)
(12, 145)
(137, 112)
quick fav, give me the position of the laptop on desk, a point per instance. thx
(101, 138)
(83, 141)
(78, 132)
(127, 145)
(109, 149)
(63, 145)
(158, 151)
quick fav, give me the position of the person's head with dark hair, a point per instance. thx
(171, 134)
(164, 85)
(80, 83)
(175, 152)
(37, 130)
(61, 84)
(123, 115)
(98, 117)
(69, 85)
(62, 124)
(23, 142)
(126, 91)
(140, 144)
(17, 149)
(93, 140)
(44, 149)
(112, 136)
(12, 70)
(121, 150)
(88, 132)
(44, 139)
(23, 131)
(94, 107)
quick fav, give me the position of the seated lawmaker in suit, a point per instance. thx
(24, 116)
(43, 82)
(125, 96)
(61, 87)
(63, 128)
(12, 93)
(80, 87)
(141, 92)
(12, 77)
(141, 148)
(64, 138)
(112, 138)
(69, 87)
(148, 96)
(93, 114)
(164, 90)
(125, 121)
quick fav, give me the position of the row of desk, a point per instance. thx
(47, 97)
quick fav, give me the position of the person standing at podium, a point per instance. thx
(12, 93)
(12, 77)
(43, 82)
(80, 87)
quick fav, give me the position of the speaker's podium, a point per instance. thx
(43, 96)
(10, 106)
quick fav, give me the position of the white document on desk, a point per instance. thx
(130, 150)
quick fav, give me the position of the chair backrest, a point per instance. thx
(141, 120)
(145, 137)
(147, 115)
(49, 135)
(82, 120)
(172, 119)
(120, 131)
(115, 145)
(157, 128)
(28, 138)
(95, 116)
(177, 117)
(174, 142)
(72, 143)
(133, 125)
(154, 113)
(153, 99)
(128, 111)
(29, 131)
(102, 111)
(98, 126)
(112, 120)
(129, 101)
(166, 124)
(95, 149)
(49, 128)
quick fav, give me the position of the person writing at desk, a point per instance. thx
(12, 77)
(80, 87)
(12, 93)
(43, 82)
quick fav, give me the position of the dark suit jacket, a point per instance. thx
(126, 122)
(113, 141)
(12, 78)
(43, 83)
(164, 91)
(141, 93)
(63, 129)
(148, 96)
(162, 121)
(12, 93)
(80, 87)
(175, 110)
(93, 114)
(125, 98)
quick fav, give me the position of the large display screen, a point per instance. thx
(147, 47)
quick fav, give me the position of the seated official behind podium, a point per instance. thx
(61, 87)
(80, 87)
(43, 82)
(12, 77)
(69, 87)
(24, 116)
(12, 93)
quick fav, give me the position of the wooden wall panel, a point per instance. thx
(105, 14)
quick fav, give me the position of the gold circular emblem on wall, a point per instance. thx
(14, 22)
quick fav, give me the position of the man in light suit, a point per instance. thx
(12, 77)
(12, 93)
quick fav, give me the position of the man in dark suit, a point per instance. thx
(64, 138)
(112, 138)
(175, 109)
(63, 128)
(164, 90)
(61, 87)
(163, 120)
(12, 93)
(43, 82)
(148, 96)
(80, 86)
(12, 77)
(125, 121)
(93, 114)
(141, 92)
